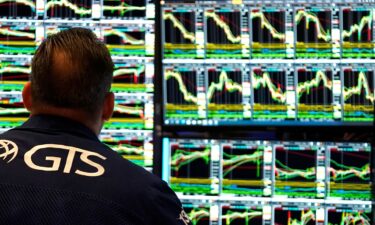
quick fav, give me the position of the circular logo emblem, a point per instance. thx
(8, 150)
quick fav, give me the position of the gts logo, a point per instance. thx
(9, 150)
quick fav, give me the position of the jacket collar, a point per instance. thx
(58, 123)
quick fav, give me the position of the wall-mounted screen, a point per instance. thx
(126, 27)
(270, 182)
(268, 63)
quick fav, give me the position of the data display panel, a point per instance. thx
(132, 111)
(78, 10)
(126, 27)
(129, 40)
(135, 146)
(321, 94)
(270, 27)
(270, 182)
(278, 169)
(18, 9)
(357, 32)
(14, 73)
(272, 43)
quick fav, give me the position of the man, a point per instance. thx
(53, 168)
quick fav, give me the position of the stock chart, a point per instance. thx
(270, 182)
(269, 33)
(190, 167)
(241, 214)
(17, 38)
(295, 171)
(349, 215)
(358, 94)
(127, 29)
(291, 215)
(18, 9)
(68, 9)
(315, 92)
(224, 34)
(124, 9)
(349, 172)
(269, 93)
(268, 64)
(135, 146)
(224, 93)
(242, 169)
(313, 33)
(181, 28)
(358, 33)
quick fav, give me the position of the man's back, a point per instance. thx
(62, 172)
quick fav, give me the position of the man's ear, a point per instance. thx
(26, 96)
(109, 104)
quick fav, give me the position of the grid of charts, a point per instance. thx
(127, 29)
(268, 63)
(222, 182)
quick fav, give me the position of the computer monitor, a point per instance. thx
(270, 182)
(268, 63)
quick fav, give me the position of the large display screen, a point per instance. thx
(126, 27)
(279, 63)
(270, 182)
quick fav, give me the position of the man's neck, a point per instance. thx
(77, 115)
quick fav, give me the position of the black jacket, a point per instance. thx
(55, 171)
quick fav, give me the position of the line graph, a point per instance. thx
(348, 217)
(268, 34)
(179, 34)
(363, 85)
(357, 33)
(68, 9)
(132, 150)
(314, 93)
(358, 95)
(14, 71)
(190, 168)
(313, 32)
(188, 93)
(125, 41)
(17, 9)
(224, 93)
(130, 77)
(17, 39)
(242, 168)
(198, 214)
(224, 82)
(269, 94)
(236, 214)
(292, 216)
(129, 110)
(13, 110)
(181, 93)
(356, 29)
(130, 74)
(267, 22)
(127, 115)
(322, 29)
(223, 34)
(295, 171)
(124, 9)
(349, 173)
(184, 157)
(266, 81)
(221, 20)
(186, 32)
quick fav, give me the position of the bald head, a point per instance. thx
(71, 69)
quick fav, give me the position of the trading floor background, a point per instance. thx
(254, 111)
